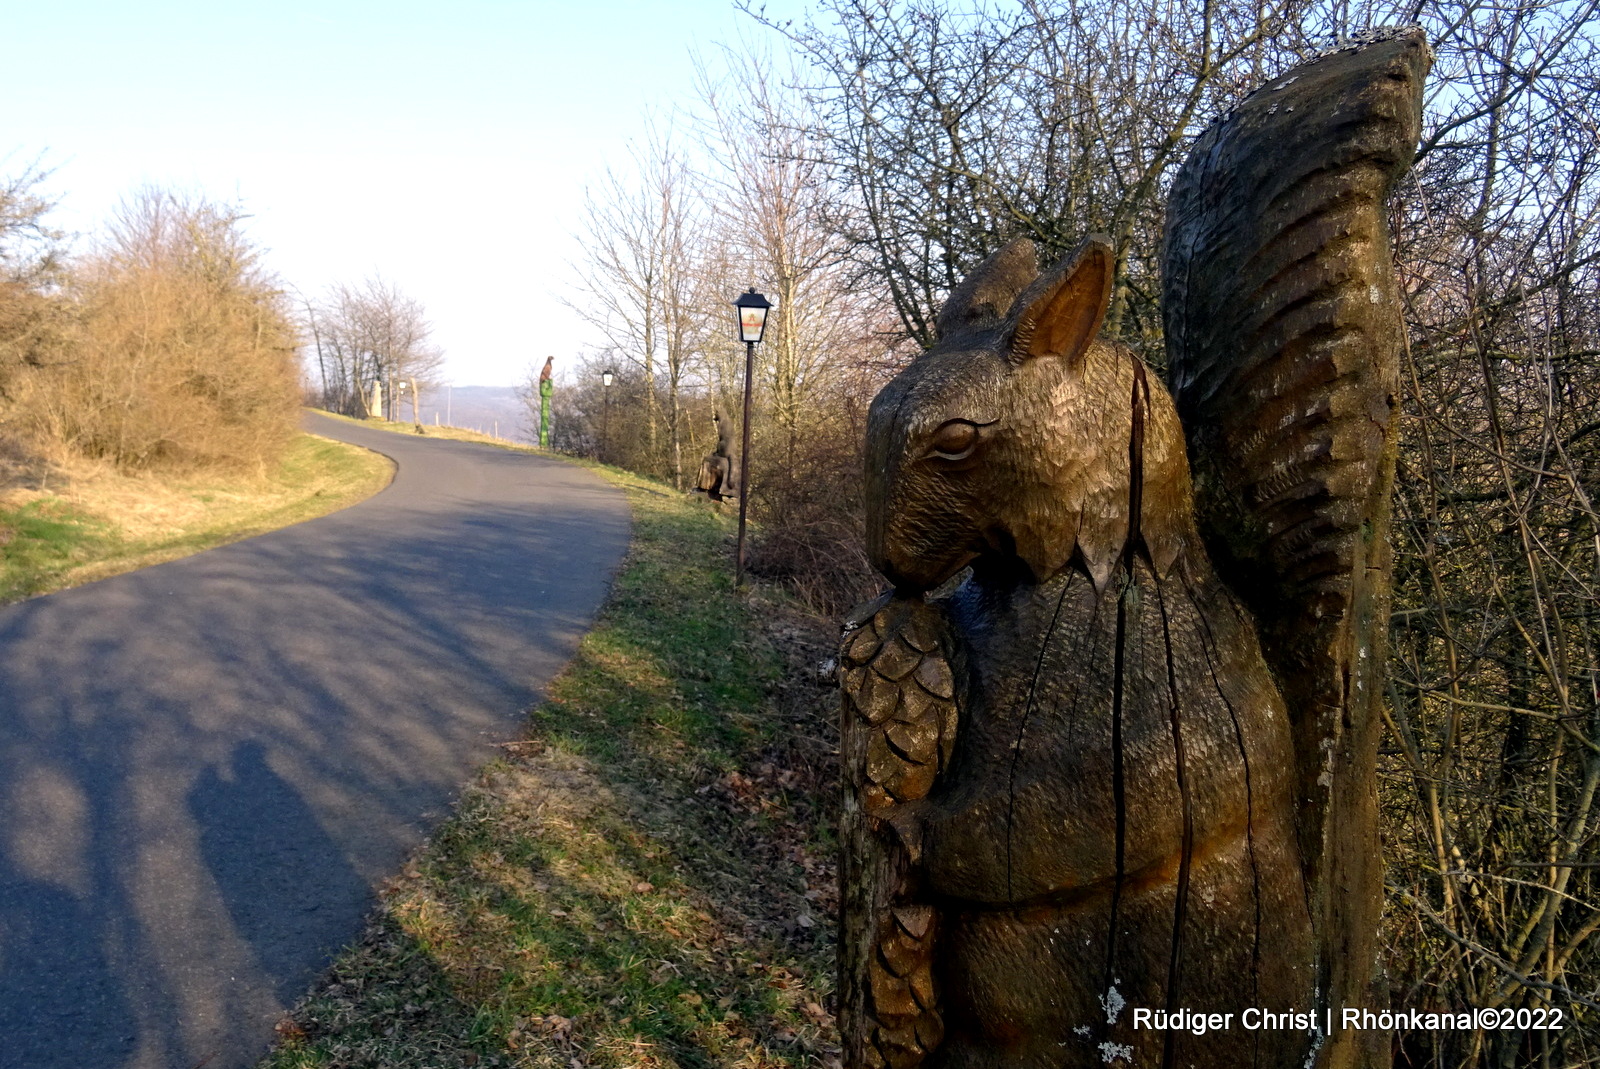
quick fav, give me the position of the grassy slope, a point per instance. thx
(101, 523)
(647, 879)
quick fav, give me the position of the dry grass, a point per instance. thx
(73, 521)
(647, 879)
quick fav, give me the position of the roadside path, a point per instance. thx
(208, 766)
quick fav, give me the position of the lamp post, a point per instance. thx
(751, 309)
(605, 418)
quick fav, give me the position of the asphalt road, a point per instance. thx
(208, 766)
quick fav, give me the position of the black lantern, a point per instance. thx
(751, 308)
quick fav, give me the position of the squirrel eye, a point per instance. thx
(955, 440)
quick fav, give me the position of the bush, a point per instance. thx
(809, 502)
(182, 353)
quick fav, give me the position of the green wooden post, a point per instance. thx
(546, 388)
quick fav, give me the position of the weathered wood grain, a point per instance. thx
(1075, 787)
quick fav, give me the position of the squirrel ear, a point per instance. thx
(1063, 311)
(985, 296)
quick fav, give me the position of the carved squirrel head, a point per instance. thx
(1020, 435)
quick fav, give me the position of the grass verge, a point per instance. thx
(646, 880)
(98, 523)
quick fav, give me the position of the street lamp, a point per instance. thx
(751, 309)
(605, 419)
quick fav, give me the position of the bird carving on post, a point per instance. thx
(1128, 765)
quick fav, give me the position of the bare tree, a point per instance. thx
(952, 132)
(777, 194)
(371, 332)
(639, 275)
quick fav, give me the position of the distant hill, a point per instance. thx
(490, 409)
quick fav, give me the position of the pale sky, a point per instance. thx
(445, 146)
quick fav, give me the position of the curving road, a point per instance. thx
(206, 767)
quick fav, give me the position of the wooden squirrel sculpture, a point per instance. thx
(1127, 768)
(717, 477)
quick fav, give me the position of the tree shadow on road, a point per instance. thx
(49, 937)
(286, 883)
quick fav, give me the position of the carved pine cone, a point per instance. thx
(899, 686)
